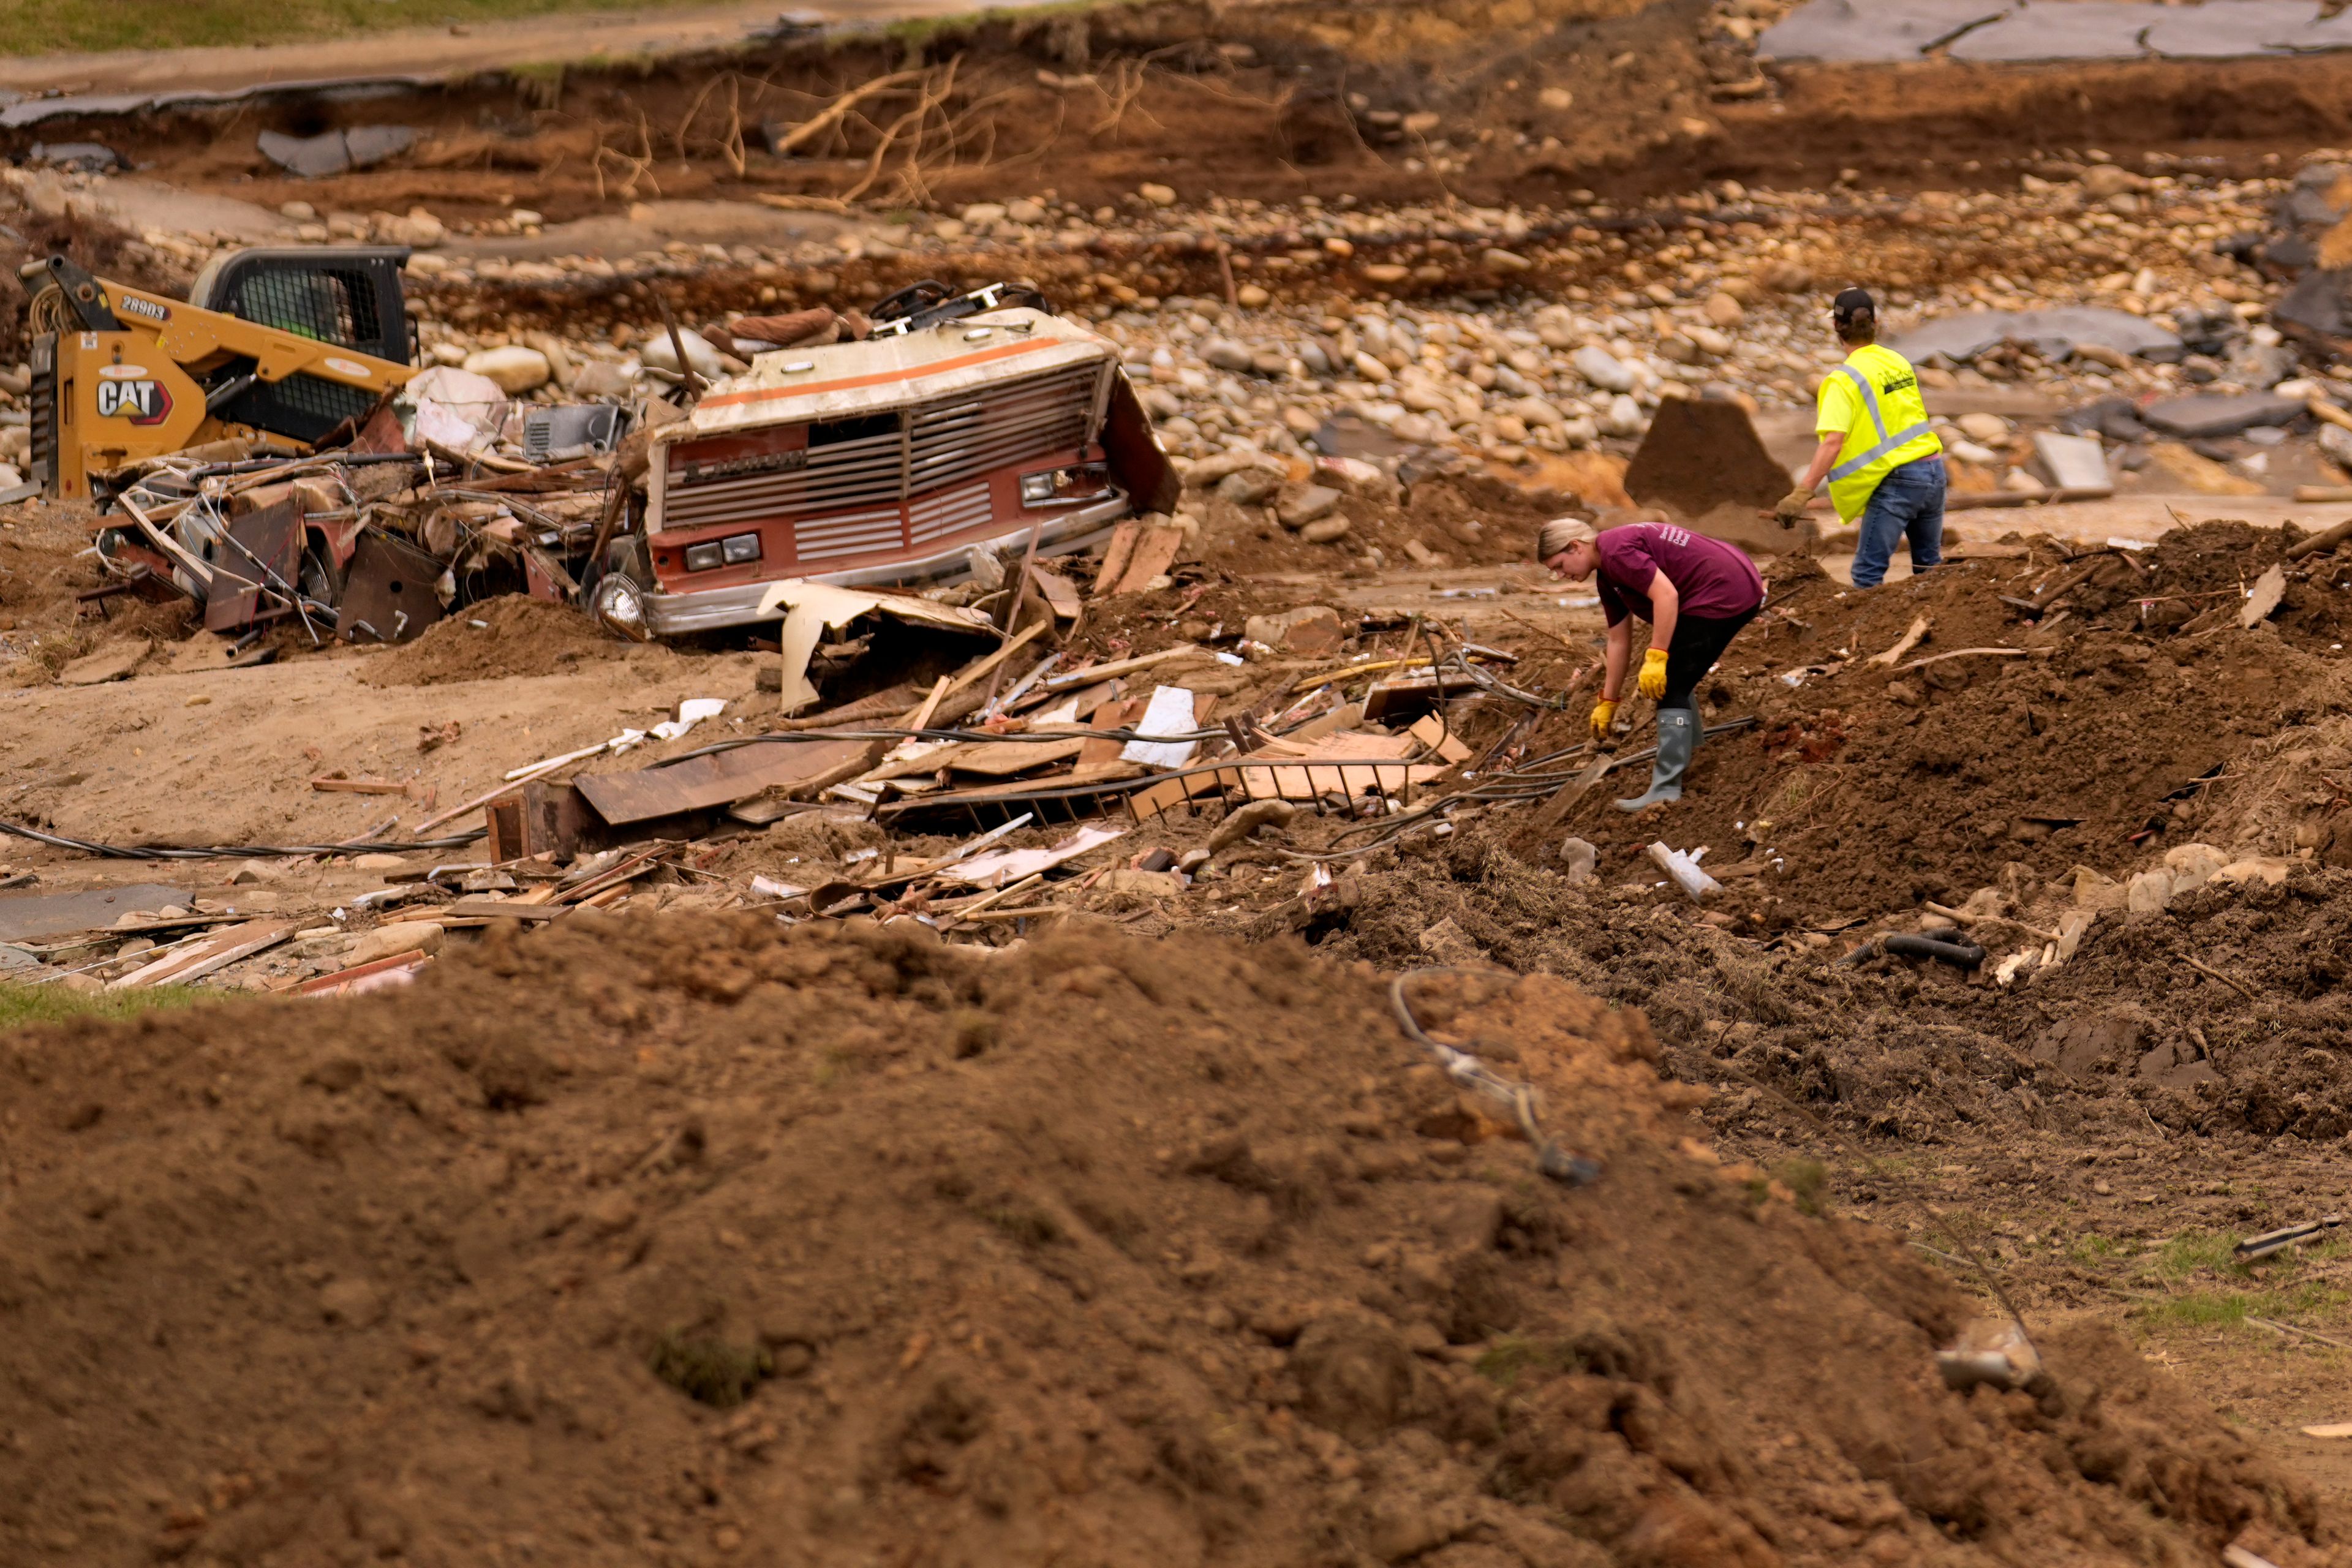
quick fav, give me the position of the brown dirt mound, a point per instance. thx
(1881, 785)
(2128, 1035)
(838, 1246)
(524, 636)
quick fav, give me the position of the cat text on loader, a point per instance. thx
(279, 349)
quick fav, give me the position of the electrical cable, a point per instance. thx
(232, 851)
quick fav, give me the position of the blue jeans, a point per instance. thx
(1907, 503)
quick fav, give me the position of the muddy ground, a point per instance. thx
(1080, 1261)
(875, 1249)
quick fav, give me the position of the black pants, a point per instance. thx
(1699, 641)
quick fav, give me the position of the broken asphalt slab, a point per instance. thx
(2052, 333)
(1850, 30)
(2208, 418)
(1982, 31)
(29, 917)
(336, 152)
(2102, 31)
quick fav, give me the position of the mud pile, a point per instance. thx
(841, 1246)
(519, 635)
(1997, 739)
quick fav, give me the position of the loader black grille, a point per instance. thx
(300, 407)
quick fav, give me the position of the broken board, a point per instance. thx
(1135, 555)
(721, 778)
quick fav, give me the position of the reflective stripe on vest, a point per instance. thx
(1886, 442)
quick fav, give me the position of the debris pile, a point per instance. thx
(965, 1299)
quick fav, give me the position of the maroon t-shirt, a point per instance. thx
(1716, 580)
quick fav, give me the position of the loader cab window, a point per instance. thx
(349, 297)
(330, 305)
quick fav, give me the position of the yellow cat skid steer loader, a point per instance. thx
(281, 347)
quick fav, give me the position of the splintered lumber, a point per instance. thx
(489, 909)
(1345, 763)
(988, 662)
(399, 968)
(1135, 555)
(1116, 555)
(198, 959)
(1061, 594)
(1077, 678)
(721, 778)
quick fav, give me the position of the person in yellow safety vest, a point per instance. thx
(1883, 464)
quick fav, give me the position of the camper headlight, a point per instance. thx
(1064, 487)
(732, 550)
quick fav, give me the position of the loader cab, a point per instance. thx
(349, 296)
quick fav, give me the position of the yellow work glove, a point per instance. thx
(1792, 510)
(1652, 682)
(1605, 713)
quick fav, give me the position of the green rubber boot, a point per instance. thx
(1677, 738)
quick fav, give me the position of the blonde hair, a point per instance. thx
(1561, 533)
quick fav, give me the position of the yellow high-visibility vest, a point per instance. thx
(1874, 397)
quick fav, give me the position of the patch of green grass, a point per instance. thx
(2195, 1280)
(49, 27)
(2090, 1247)
(52, 1003)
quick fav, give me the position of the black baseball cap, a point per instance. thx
(1851, 306)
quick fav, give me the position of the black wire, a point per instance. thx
(232, 851)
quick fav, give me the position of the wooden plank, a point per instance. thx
(721, 778)
(921, 717)
(1431, 732)
(414, 789)
(1077, 678)
(215, 951)
(1003, 759)
(1059, 593)
(1356, 761)
(489, 908)
(1116, 555)
(1168, 794)
(396, 969)
(1155, 552)
(1110, 716)
(987, 662)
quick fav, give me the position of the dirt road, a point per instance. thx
(431, 54)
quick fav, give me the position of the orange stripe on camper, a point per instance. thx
(770, 394)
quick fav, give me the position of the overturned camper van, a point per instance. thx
(887, 461)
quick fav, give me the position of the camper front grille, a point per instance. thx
(886, 461)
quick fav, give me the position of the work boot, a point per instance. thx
(1677, 738)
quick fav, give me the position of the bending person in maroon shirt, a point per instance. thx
(1695, 592)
